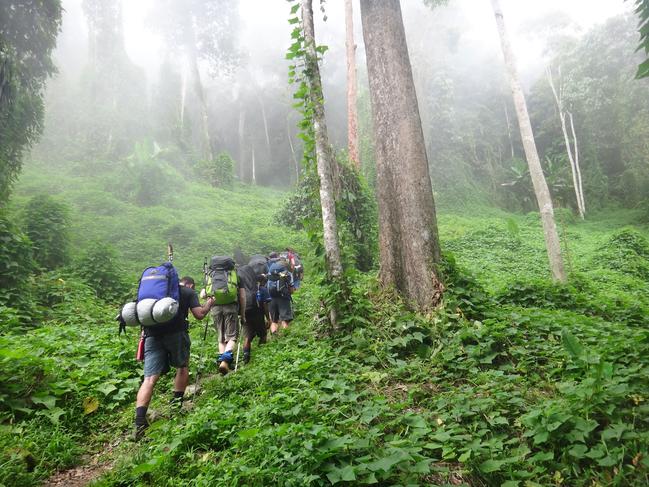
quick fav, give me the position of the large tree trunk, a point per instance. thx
(529, 146)
(352, 111)
(408, 239)
(324, 153)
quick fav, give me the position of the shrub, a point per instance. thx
(46, 224)
(626, 251)
(16, 264)
(355, 211)
(98, 266)
(217, 172)
(144, 177)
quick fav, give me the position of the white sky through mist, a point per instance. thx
(265, 27)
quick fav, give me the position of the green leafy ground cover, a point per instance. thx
(515, 382)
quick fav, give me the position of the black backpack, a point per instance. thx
(249, 279)
(259, 264)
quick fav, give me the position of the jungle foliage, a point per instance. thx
(28, 30)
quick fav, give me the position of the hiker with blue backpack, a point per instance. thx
(280, 287)
(162, 310)
(224, 284)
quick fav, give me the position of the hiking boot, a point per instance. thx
(224, 367)
(176, 404)
(138, 431)
(246, 357)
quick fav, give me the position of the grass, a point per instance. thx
(514, 382)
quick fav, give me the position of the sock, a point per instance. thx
(178, 395)
(226, 357)
(140, 415)
(246, 351)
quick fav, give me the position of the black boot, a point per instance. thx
(141, 423)
(177, 401)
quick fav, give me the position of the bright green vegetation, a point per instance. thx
(198, 219)
(514, 382)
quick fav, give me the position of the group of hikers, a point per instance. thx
(250, 300)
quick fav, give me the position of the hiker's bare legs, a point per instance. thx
(273, 328)
(182, 379)
(225, 347)
(146, 391)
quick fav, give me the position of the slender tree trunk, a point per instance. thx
(558, 98)
(242, 140)
(269, 151)
(509, 131)
(577, 166)
(538, 179)
(183, 98)
(352, 111)
(205, 125)
(324, 153)
(206, 141)
(408, 238)
(296, 164)
(254, 175)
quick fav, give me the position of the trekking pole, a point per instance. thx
(170, 252)
(199, 368)
(236, 363)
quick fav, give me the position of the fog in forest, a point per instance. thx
(126, 78)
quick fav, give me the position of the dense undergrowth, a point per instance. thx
(526, 395)
(515, 381)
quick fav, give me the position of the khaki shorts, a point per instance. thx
(226, 321)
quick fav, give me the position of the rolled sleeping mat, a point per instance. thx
(164, 310)
(145, 311)
(129, 314)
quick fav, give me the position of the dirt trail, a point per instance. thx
(94, 466)
(78, 476)
(91, 468)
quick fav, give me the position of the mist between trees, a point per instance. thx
(212, 101)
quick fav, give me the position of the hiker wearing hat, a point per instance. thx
(165, 346)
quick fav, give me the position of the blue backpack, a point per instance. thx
(159, 282)
(158, 298)
(279, 280)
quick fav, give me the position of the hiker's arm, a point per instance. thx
(200, 312)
